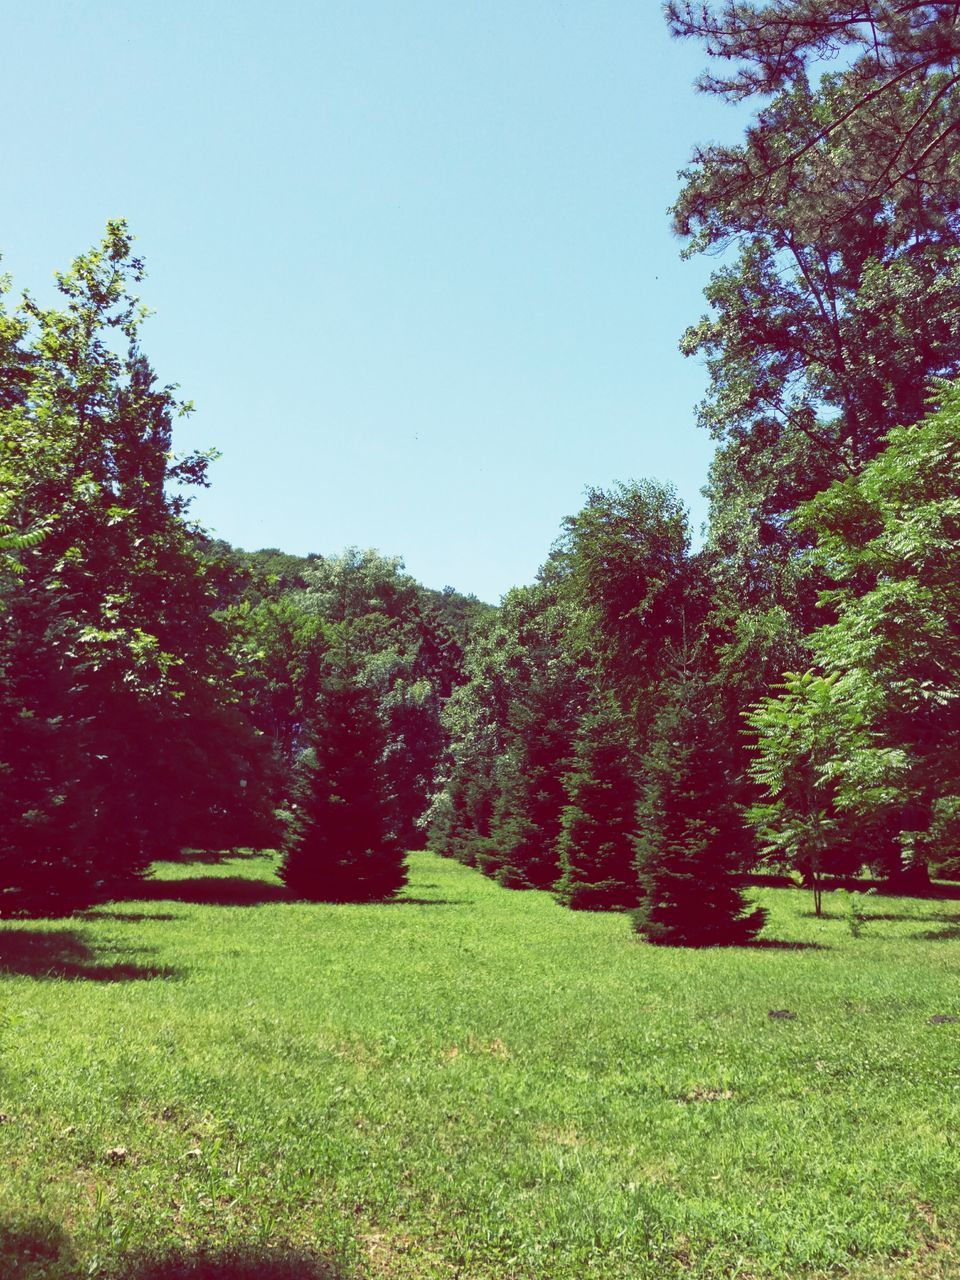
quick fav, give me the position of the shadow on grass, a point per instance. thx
(935, 890)
(238, 891)
(212, 857)
(422, 902)
(34, 1249)
(938, 917)
(62, 953)
(128, 917)
(782, 944)
(240, 1264)
(37, 1249)
(950, 934)
(216, 891)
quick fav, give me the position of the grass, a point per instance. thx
(473, 1083)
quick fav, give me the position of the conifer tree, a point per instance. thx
(598, 824)
(526, 822)
(339, 847)
(686, 859)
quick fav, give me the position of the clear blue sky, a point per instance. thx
(410, 258)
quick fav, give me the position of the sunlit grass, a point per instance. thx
(474, 1083)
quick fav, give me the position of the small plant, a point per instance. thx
(850, 902)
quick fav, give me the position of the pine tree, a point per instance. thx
(339, 847)
(598, 824)
(526, 823)
(692, 894)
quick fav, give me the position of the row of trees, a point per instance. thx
(640, 725)
(586, 754)
(159, 691)
(831, 553)
(590, 748)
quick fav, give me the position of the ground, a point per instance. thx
(473, 1082)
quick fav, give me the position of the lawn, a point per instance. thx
(473, 1082)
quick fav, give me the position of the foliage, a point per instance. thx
(841, 300)
(798, 819)
(598, 822)
(625, 556)
(121, 738)
(511, 727)
(288, 615)
(894, 54)
(853, 910)
(387, 629)
(836, 306)
(339, 846)
(876, 735)
(690, 892)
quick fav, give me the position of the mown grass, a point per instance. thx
(472, 1083)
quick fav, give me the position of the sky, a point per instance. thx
(410, 259)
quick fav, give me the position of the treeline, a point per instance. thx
(160, 691)
(646, 722)
(644, 717)
(628, 737)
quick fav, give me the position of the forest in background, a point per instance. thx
(645, 723)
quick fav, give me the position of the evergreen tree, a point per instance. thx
(510, 729)
(526, 825)
(687, 867)
(598, 824)
(339, 847)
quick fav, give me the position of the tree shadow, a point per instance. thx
(215, 891)
(62, 953)
(234, 1264)
(128, 917)
(950, 934)
(34, 1248)
(936, 890)
(212, 857)
(239, 891)
(783, 944)
(938, 917)
(422, 902)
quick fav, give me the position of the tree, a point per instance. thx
(610, 609)
(842, 301)
(691, 892)
(524, 848)
(279, 649)
(625, 559)
(339, 846)
(882, 706)
(121, 739)
(798, 818)
(896, 54)
(838, 301)
(511, 729)
(598, 823)
(399, 646)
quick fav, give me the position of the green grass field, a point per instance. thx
(473, 1083)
